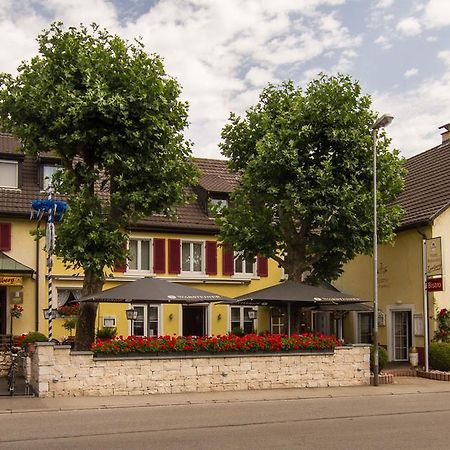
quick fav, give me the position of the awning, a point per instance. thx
(11, 266)
(298, 293)
(154, 290)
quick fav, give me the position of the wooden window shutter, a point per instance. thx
(211, 258)
(5, 237)
(262, 269)
(121, 266)
(174, 256)
(227, 260)
(159, 255)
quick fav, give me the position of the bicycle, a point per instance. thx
(13, 369)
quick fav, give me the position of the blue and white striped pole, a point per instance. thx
(50, 238)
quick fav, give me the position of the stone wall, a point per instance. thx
(57, 371)
(5, 362)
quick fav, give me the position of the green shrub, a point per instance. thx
(34, 336)
(106, 333)
(237, 331)
(440, 356)
(382, 358)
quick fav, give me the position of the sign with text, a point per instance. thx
(434, 284)
(434, 257)
(11, 281)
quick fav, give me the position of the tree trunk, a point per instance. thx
(85, 333)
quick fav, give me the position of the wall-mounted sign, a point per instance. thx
(434, 257)
(435, 284)
(11, 281)
(418, 325)
(381, 319)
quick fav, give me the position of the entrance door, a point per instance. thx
(194, 321)
(401, 321)
(2, 310)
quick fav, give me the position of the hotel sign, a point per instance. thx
(434, 257)
(11, 281)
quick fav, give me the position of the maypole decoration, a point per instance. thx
(55, 210)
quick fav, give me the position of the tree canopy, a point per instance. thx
(113, 116)
(305, 194)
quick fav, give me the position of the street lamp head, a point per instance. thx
(383, 121)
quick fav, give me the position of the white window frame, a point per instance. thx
(146, 306)
(191, 262)
(242, 274)
(242, 310)
(45, 179)
(138, 255)
(16, 165)
(107, 318)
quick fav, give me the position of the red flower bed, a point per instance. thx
(250, 343)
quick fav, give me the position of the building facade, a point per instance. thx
(185, 250)
(402, 267)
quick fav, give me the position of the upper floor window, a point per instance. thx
(9, 174)
(192, 256)
(244, 266)
(139, 254)
(48, 171)
(217, 204)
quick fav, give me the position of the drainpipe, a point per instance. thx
(36, 285)
(425, 300)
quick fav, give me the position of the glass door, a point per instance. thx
(401, 321)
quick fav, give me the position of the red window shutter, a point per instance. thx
(121, 266)
(262, 269)
(174, 256)
(5, 237)
(159, 255)
(211, 258)
(227, 260)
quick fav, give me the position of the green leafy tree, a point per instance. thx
(113, 116)
(305, 194)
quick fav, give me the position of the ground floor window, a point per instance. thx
(365, 327)
(278, 320)
(240, 319)
(147, 322)
(68, 295)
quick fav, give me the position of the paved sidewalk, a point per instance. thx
(401, 386)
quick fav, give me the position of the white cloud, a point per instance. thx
(432, 39)
(383, 41)
(409, 27)
(437, 13)
(384, 3)
(418, 113)
(259, 77)
(411, 72)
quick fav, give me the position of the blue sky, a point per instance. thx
(223, 52)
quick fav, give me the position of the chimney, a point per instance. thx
(446, 134)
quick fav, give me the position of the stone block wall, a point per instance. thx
(5, 362)
(57, 371)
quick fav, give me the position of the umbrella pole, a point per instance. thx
(289, 318)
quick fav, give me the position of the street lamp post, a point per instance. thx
(381, 122)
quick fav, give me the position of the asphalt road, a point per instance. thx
(410, 421)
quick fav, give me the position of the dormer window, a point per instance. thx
(9, 174)
(48, 170)
(216, 205)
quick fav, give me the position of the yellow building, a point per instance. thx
(401, 277)
(184, 251)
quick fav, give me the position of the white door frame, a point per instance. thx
(389, 326)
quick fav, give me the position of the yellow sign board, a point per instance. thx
(11, 281)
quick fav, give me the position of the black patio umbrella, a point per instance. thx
(321, 298)
(153, 290)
